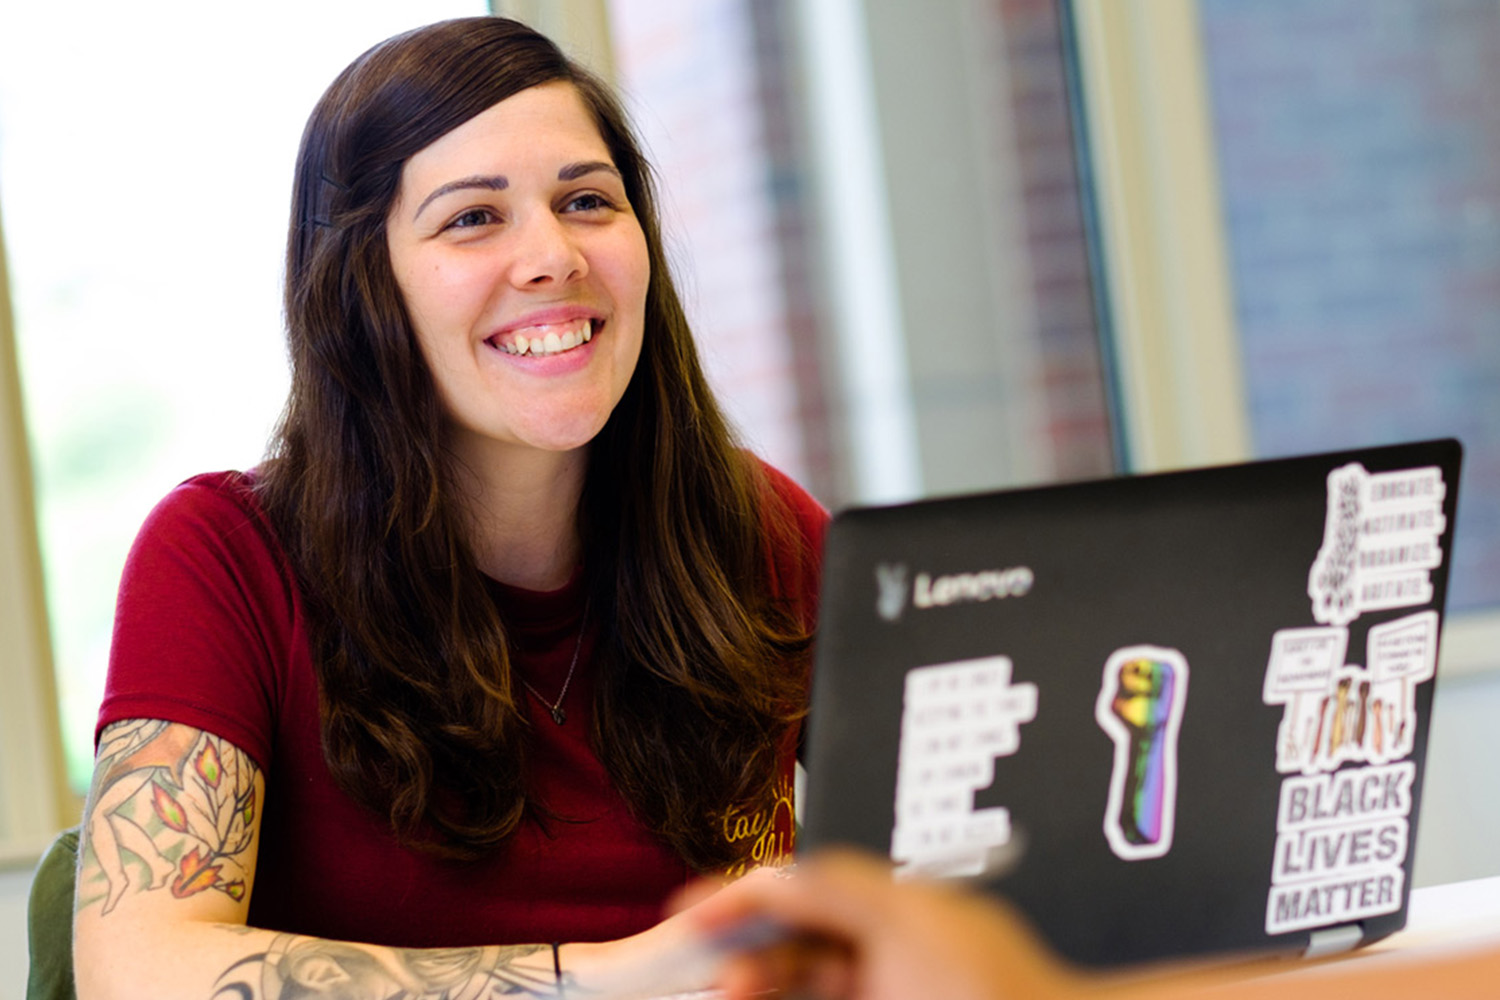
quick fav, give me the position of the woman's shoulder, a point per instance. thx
(230, 489)
(206, 617)
(796, 524)
(219, 509)
(802, 505)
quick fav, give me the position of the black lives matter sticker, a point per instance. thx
(1342, 836)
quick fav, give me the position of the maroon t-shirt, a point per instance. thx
(209, 632)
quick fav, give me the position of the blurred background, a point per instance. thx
(928, 248)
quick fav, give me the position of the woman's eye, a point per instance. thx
(473, 217)
(591, 202)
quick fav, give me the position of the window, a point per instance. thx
(1296, 207)
(1361, 179)
(879, 234)
(145, 165)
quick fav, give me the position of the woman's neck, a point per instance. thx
(523, 511)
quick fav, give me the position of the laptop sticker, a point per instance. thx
(956, 719)
(1402, 654)
(1354, 714)
(1380, 542)
(1140, 708)
(1341, 841)
(1300, 676)
(1342, 831)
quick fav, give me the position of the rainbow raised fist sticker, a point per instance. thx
(1140, 708)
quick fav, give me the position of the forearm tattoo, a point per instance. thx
(294, 968)
(172, 808)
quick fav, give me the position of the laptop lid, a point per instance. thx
(1164, 715)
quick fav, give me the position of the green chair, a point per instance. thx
(49, 921)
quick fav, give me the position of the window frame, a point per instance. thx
(35, 801)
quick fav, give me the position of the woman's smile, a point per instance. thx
(544, 340)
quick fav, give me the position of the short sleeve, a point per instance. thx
(205, 618)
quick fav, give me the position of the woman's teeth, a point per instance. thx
(537, 344)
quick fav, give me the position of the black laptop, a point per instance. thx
(1164, 715)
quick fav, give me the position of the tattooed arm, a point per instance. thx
(166, 868)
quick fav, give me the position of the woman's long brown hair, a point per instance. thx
(701, 672)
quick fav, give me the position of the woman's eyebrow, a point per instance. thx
(494, 182)
(573, 171)
(498, 182)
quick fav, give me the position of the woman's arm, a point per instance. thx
(166, 870)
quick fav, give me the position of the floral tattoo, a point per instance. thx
(293, 968)
(171, 807)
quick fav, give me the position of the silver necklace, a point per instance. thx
(555, 707)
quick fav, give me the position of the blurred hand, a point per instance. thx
(854, 934)
(850, 933)
(678, 955)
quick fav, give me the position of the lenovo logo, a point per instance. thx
(928, 591)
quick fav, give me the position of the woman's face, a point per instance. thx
(524, 271)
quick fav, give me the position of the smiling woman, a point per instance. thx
(504, 632)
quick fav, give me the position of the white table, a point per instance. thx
(1462, 914)
(1442, 919)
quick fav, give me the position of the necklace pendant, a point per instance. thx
(558, 715)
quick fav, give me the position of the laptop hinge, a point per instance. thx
(1333, 940)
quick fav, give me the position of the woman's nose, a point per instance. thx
(546, 253)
